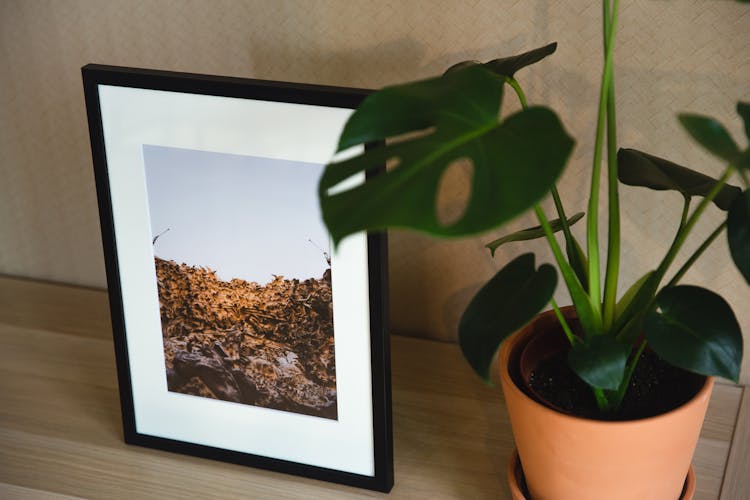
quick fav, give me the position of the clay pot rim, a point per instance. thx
(504, 356)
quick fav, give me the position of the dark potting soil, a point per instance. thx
(656, 387)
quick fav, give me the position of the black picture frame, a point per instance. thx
(109, 89)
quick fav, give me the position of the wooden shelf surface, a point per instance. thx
(61, 435)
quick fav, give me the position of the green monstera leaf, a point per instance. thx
(743, 109)
(600, 361)
(695, 329)
(454, 117)
(738, 233)
(636, 168)
(712, 135)
(507, 302)
(507, 66)
(531, 233)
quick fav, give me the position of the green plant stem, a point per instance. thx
(569, 245)
(686, 225)
(563, 323)
(592, 227)
(685, 228)
(674, 247)
(555, 194)
(620, 394)
(590, 324)
(613, 238)
(519, 91)
(563, 221)
(554, 246)
(560, 210)
(685, 211)
(607, 25)
(627, 324)
(678, 276)
(568, 274)
(601, 399)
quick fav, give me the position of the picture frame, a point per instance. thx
(240, 333)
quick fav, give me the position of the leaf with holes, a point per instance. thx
(636, 168)
(507, 302)
(515, 162)
(695, 329)
(738, 233)
(531, 233)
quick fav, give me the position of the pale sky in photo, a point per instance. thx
(243, 216)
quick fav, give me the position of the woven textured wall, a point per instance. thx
(671, 56)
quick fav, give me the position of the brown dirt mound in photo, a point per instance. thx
(264, 345)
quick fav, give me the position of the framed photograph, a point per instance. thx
(240, 333)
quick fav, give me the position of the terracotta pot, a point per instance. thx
(570, 458)
(518, 490)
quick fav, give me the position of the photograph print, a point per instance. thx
(243, 272)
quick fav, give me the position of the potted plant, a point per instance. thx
(575, 379)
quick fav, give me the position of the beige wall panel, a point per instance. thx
(671, 56)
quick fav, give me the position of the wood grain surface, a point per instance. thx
(61, 437)
(736, 483)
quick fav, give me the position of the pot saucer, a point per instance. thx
(517, 482)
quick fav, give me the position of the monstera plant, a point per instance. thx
(516, 160)
(420, 129)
